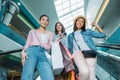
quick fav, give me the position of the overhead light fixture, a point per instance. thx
(25, 21)
(19, 3)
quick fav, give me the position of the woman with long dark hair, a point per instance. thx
(82, 47)
(61, 37)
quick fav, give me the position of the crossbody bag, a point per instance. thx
(87, 53)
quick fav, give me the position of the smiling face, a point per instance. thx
(44, 21)
(59, 27)
(79, 23)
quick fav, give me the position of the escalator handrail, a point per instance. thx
(110, 46)
(11, 51)
(109, 55)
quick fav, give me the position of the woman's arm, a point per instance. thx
(58, 37)
(28, 41)
(99, 29)
(70, 43)
(23, 54)
(98, 34)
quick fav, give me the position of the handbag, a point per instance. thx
(87, 53)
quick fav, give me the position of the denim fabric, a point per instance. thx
(87, 36)
(37, 59)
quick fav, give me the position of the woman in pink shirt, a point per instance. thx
(33, 54)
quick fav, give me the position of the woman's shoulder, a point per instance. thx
(49, 32)
(70, 34)
(88, 30)
(31, 31)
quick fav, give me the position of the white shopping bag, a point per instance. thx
(49, 57)
(38, 78)
(57, 58)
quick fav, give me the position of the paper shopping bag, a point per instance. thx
(67, 58)
(57, 58)
(49, 57)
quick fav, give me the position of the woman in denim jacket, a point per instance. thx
(33, 54)
(82, 37)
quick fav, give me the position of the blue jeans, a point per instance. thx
(37, 59)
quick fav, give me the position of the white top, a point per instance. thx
(80, 42)
(44, 37)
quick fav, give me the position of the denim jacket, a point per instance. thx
(87, 37)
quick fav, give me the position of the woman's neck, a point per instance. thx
(78, 29)
(42, 29)
(59, 32)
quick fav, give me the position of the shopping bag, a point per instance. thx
(49, 57)
(71, 76)
(57, 58)
(67, 58)
(66, 50)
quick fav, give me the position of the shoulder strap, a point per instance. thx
(76, 41)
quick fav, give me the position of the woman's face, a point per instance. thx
(80, 23)
(44, 21)
(59, 27)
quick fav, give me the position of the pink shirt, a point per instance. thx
(34, 38)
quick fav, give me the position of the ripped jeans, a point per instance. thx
(37, 59)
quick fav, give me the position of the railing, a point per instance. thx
(11, 51)
(9, 63)
(109, 61)
(110, 46)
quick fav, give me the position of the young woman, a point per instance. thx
(81, 40)
(61, 37)
(60, 34)
(33, 54)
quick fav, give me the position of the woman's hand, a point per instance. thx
(94, 24)
(23, 57)
(60, 37)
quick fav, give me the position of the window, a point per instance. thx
(67, 10)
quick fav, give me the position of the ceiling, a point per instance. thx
(110, 20)
(21, 23)
(40, 7)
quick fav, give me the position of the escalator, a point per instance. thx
(10, 63)
(108, 63)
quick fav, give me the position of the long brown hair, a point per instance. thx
(83, 27)
(63, 29)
